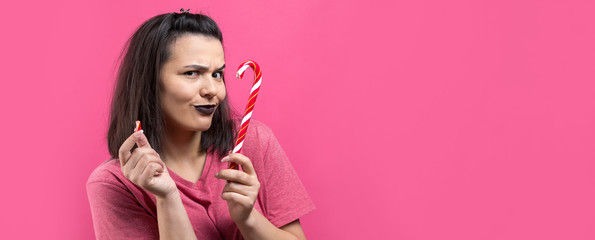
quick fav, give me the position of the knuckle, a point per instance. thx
(154, 167)
(150, 155)
(247, 178)
(239, 176)
(154, 152)
(141, 159)
(148, 169)
(141, 151)
(157, 164)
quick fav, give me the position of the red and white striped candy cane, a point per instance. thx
(249, 107)
(137, 128)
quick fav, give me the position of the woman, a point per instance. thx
(170, 181)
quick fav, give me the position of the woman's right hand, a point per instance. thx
(144, 166)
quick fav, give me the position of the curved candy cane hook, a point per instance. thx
(249, 107)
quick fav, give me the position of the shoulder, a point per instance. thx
(107, 172)
(257, 140)
(258, 132)
(108, 177)
(117, 202)
(108, 181)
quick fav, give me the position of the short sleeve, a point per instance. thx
(286, 196)
(117, 215)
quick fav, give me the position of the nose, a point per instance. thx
(208, 89)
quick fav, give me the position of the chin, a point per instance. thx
(203, 127)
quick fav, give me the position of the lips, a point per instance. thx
(205, 109)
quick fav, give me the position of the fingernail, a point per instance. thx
(225, 159)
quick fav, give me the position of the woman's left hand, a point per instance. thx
(241, 188)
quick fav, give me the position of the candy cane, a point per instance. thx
(137, 128)
(249, 107)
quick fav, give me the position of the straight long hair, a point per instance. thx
(137, 95)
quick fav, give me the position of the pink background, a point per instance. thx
(404, 119)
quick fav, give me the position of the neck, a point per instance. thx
(181, 146)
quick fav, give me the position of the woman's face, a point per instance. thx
(192, 76)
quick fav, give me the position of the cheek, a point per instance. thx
(179, 93)
(173, 101)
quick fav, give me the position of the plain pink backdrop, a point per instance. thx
(404, 119)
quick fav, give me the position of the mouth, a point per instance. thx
(206, 109)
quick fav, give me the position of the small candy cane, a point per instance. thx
(137, 128)
(249, 107)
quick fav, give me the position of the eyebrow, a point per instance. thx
(203, 68)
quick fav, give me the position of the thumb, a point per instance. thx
(141, 140)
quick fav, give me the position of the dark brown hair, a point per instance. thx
(137, 96)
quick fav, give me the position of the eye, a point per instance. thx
(218, 75)
(190, 73)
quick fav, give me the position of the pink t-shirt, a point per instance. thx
(122, 210)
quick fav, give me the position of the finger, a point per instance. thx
(237, 188)
(159, 162)
(150, 158)
(148, 175)
(142, 141)
(132, 162)
(236, 197)
(235, 176)
(135, 157)
(154, 153)
(124, 151)
(241, 160)
(135, 173)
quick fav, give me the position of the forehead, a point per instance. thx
(197, 49)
